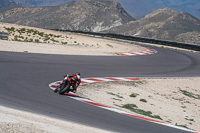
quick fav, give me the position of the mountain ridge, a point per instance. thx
(85, 15)
(138, 9)
(164, 24)
(108, 16)
(7, 4)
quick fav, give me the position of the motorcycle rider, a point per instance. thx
(75, 77)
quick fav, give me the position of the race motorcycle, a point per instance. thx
(65, 86)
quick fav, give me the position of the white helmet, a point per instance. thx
(78, 75)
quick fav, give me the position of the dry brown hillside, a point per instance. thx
(85, 15)
(164, 24)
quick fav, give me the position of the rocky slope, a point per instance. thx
(189, 37)
(137, 8)
(165, 24)
(85, 15)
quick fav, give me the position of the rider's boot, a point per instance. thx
(74, 88)
(56, 90)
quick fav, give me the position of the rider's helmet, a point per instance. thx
(78, 75)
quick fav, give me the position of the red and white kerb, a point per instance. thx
(148, 51)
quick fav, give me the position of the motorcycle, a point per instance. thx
(65, 86)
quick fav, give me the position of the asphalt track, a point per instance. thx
(24, 80)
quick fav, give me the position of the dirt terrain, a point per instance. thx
(35, 40)
(173, 100)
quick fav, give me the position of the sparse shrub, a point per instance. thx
(189, 119)
(110, 93)
(35, 32)
(114, 94)
(183, 106)
(129, 106)
(64, 43)
(53, 40)
(157, 117)
(51, 35)
(41, 34)
(21, 37)
(23, 30)
(143, 100)
(30, 30)
(16, 38)
(116, 99)
(26, 40)
(12, 29)
(46, 39)
(57, 36)
(31, 40)
(185, 126)
(134, 108)
(134, 95)
(37, 40)
(189, 94)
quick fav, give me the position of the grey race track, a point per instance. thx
(24, 80)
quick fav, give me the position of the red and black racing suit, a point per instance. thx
(77, 80)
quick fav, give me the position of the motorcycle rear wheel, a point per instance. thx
(65, 89)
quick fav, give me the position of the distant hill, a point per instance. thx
(7, 4)
(164, 24)
(109, 16)
(39, 3)
(85, 15)
(137, 8)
